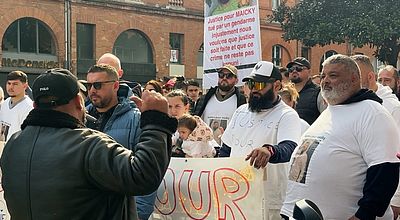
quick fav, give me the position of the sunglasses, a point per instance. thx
(228, 75)
(257, 85)
(297, 68)
(97, 85)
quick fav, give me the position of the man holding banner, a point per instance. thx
(266, 130)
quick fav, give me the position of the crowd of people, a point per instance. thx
(98, 148)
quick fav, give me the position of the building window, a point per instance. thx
(275, 4)
(305, 52)
(28, 35)
(277, 55)
(176, 46)
(135, 51)
(326, 55)
(132, 46)
(200, 55)
(85, 41)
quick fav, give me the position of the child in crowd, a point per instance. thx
(197, 136)
(178, 105)
(153, 85)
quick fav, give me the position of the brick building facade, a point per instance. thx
(145, 34)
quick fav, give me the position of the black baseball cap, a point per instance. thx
(301, 61)
(58, 86)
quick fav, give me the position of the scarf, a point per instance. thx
(226, 96)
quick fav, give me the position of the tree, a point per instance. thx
(359, 22)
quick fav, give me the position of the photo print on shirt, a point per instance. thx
(301, 160)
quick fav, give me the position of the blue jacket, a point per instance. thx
(124, 123)
(124, 127)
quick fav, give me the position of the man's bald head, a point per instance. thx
(112, 60)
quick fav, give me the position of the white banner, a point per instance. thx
(210, 188)
(231, 36)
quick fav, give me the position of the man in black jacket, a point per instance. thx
(219, 103)
(55, 168)
(310, 103)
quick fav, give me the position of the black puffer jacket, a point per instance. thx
(307, 105)
(55, 169)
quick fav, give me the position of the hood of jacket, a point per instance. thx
(202, 132)
(361, 95)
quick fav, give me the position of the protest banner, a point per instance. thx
(230, 37)
(211, 188)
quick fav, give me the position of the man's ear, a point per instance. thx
(120, 73)
(79, 102)
(277, 85)
(116, 85)
(371, 76)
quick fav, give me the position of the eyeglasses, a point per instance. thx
(297, 68)
(97, 85)
(228, 75)
(257, 85)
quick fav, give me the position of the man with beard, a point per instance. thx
(352, 170)
(268, 125)
(145, 204)
(388, 76)
(116, 116)
(310, 103)
(219, 103)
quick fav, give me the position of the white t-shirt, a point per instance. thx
(249, 130)
(330, 166)
(218, 114)
(304, 126)
(390, 101)
(12, 118)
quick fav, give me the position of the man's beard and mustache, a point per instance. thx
(225, 86)
(331, 96)
(296, 80)
(265, 101)
(101, 102)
